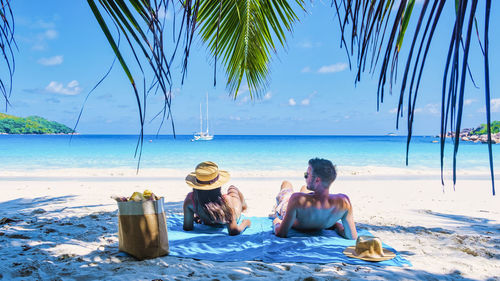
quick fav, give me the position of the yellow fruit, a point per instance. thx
(147, 193)
(137, 197)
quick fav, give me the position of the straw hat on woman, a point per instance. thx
(206, 204)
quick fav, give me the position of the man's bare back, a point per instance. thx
(318, 213)
(313, 211)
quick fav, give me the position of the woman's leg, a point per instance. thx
(237, 200)
(282, 198)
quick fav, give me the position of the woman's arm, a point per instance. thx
(188, 213)
(234, 229)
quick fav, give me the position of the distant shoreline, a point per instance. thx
(230, 135)
(50, 134)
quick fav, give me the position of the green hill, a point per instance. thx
(31, 125)
(481, 130)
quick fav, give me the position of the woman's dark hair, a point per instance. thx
(213, 205)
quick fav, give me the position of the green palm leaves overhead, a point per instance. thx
(242, 33)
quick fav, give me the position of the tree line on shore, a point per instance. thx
(10, 124)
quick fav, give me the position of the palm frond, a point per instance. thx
(7, 44)
(487, 89)
(242, 33)
(142, 29)
(366, 31)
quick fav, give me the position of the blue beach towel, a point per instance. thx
(259, 243)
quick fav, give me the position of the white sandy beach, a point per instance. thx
(66, 225)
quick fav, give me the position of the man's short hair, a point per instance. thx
(323, 169)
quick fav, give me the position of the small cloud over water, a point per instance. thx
(306, 69)
(71, 89)
(338, 67)
(55, 60)
(469, 101)
(494, 106)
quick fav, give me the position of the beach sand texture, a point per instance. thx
(65, 226)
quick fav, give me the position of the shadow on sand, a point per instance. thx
(45, 245)
(477, 236)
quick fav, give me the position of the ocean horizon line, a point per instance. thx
(229, 135)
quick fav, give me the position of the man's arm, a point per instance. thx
(281, 227)
(348, 222)
(339, 228)
(188, 213)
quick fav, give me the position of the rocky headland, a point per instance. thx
(479, 134)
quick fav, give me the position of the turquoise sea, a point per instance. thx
(25, 152)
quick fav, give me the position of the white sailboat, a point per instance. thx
(203, 136)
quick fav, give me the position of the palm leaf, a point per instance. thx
(241, 32)
(7, 43)
(487, 90)
(456, 70)
(138, 22)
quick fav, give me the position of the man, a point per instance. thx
(315, 210)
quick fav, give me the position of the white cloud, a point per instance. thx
(495, 105)
(50, 34)
(55, 60)
(338, 67)
(267, 96)
(431, 108)
(469, 101)
(243, 98)
(307, 100)
(43, 24)
(73, 84)
(292, 102)
(236, 118)
(40, 41)
(162, 14)
(306, 44)
(242, 90)
(71, 88)
(38, 33)
(306, 69)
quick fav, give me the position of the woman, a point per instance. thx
(207, 205)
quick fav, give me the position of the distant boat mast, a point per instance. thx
(207, 114)
(203, 135)
(201, 121)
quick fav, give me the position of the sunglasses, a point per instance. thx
(306, 175)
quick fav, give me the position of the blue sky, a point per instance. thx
(62, 54)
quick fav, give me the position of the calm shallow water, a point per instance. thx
(230, 152)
